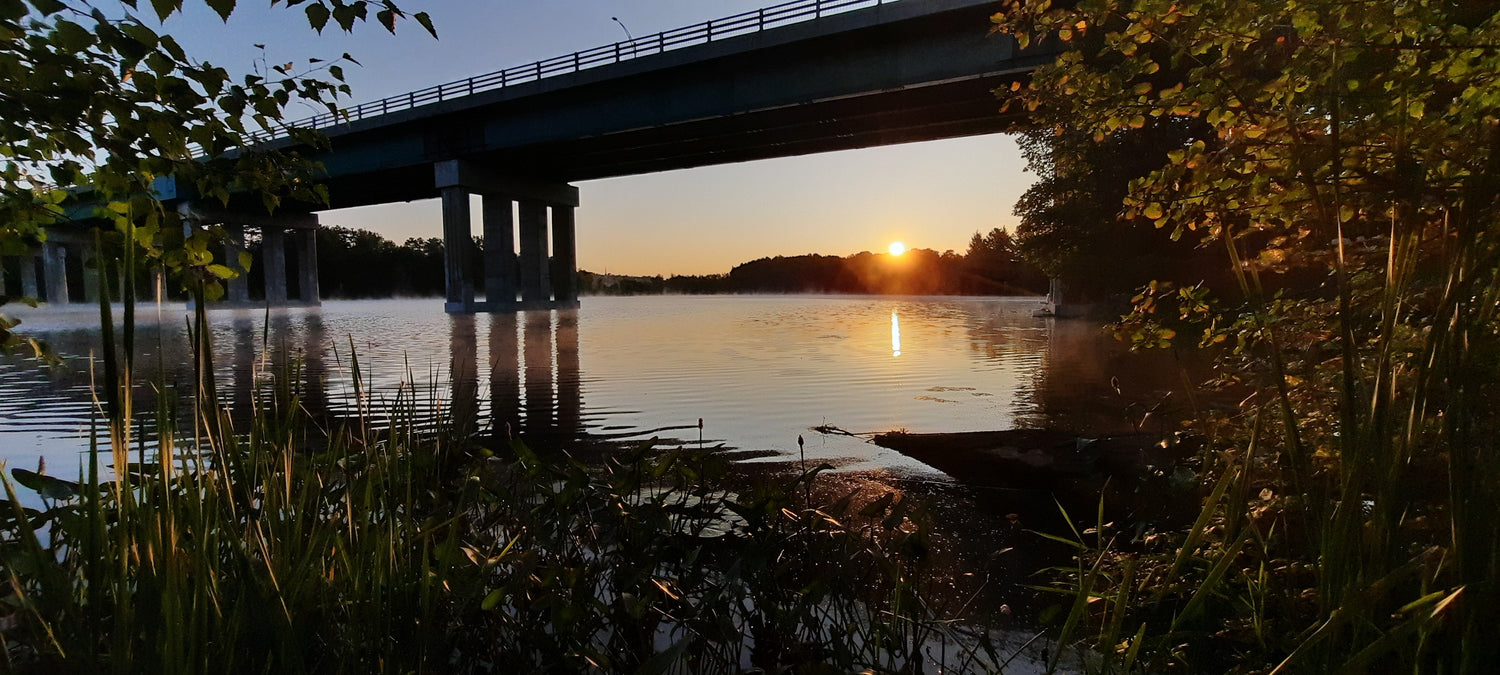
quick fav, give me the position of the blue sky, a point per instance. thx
(929, 195)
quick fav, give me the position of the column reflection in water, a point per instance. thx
(505, 376)
(538, 352)
(569, 384)
(242, 375)
(315, 369)
(534, 385)
(464, 373)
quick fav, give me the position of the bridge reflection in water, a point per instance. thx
(528, 384)
(534, 377)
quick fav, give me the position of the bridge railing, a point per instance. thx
(697, 34)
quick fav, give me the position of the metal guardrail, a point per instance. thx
(697, 34)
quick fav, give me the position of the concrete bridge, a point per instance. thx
(803, 77)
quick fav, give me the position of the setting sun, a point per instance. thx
(897, 248)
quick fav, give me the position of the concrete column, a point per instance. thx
(27, 269)
(499, 254)
(536, 286)
(307, 266)
(565, 257)
(273, 264)
(457, 242)
(55, 271)
(236, 290)
(92, 265)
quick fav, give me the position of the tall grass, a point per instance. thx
(1349, 514)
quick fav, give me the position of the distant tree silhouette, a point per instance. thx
(355, 263)
(1072, 225)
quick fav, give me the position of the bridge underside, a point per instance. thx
(950, 110)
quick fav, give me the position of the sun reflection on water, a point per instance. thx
(895, 334)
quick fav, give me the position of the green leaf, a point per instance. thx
(317, 16)
(223, 7)
(140, 34)
(245, 260)
(46, 486)
(72, 37)
(48, 7)
(222, 271)
(426, 22)
(165, 8)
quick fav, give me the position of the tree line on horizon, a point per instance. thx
(360, 264)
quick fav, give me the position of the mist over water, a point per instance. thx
(758, 370)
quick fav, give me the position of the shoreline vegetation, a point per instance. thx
(357, 264)
(1343, 161)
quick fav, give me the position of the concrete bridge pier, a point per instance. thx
(55, 272)
(307, 266)
(546, 266)
(27, 269)
(564, 257)
(458, 248)
(536, 282)
(93, 267)
(237, 290)
(273, 230)
(273, 263)
(500, 271)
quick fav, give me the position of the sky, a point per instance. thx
(697, 221)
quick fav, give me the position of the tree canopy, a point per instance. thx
(99, 105)
(1357, 143)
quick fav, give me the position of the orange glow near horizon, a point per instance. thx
(897, 248)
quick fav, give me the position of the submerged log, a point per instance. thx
(1028, 458)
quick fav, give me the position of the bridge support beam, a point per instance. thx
(499, 254)
(272, 251)
(55, 272)
(307, 267)
(273, 264)
(458, 243)
(27, 270)
(536, 283)
(93, 267)
(564, 258)
(547, 274)
(237, 290)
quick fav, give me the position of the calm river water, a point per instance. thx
(758, 370)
